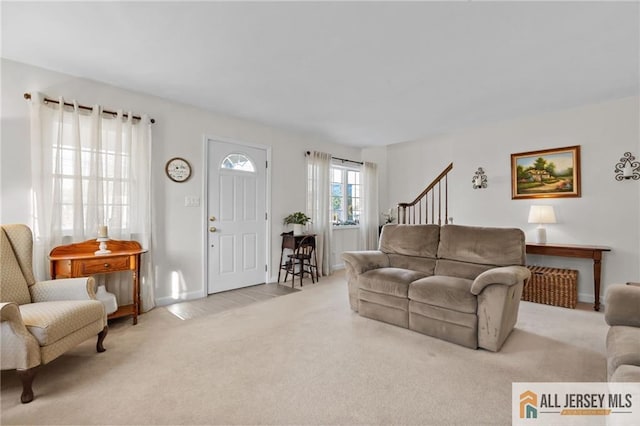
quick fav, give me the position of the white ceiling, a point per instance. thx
(359, 73)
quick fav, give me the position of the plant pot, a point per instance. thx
(297, 229)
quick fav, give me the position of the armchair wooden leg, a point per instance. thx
(26, 377)
(101, 337)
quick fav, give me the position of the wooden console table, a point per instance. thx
(574, 250)
(79, 260)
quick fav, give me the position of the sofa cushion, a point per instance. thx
(489, 246)
(453, 268)
(446, 292)
(623, 347)
(413, 263)
(51, 321)
(393, 281)
(410, 240)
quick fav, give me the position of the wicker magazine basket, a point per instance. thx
(552, 286)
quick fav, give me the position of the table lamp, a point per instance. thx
(542, 215)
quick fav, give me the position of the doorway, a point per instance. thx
(236, 216)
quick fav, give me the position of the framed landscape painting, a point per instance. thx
(549, 173)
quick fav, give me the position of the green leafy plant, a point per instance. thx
(388, 216)
(298, 218)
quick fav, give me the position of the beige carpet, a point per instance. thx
(303, 358)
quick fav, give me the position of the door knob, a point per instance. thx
(212, 229)
(212, 219)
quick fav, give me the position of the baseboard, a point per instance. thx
(586, 298)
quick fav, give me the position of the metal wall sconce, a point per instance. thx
(480, 179)
(628, 168)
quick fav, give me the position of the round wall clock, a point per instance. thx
(178, 169)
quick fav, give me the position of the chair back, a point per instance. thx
(307, 245)
(16, 263)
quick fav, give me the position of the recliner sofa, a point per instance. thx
(458, 283)
(622, 313)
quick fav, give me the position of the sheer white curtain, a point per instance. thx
(319, 206)
(369, 217)
(90, 170)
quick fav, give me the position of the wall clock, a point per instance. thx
(178, 169)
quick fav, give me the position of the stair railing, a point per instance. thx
(432, 201)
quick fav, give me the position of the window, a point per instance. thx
(238, 162)
(92, 176)
(346, 206)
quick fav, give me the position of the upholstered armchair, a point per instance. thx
(41, 320)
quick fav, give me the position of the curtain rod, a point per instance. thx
(86, 108)
(341, 159)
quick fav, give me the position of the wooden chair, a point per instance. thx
(304, 257)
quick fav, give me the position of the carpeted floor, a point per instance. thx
(303, 358)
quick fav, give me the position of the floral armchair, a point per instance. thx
(41, 320)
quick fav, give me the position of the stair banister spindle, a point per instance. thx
(446, 199)
(439, 203)
(433, 207)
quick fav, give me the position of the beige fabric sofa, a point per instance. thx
(41, 320)
(457, 283)
(622, 313)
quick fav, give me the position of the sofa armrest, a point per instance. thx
(363, 261)
(505, 275)
(622, 305)
(499, 291)
(19, 348)
(64, 289)
(10, 312)
(359, 262)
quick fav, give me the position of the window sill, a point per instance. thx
(346, 227)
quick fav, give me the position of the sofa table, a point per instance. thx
(79, 260)
(574, 250)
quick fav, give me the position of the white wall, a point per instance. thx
(607, 213)
(179, 131)
(343, 239)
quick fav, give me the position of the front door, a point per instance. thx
(237, 224)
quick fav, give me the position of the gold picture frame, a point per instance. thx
(547, 173)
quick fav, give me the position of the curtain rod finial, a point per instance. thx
(27, 95)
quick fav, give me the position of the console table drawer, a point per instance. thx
(101, 266)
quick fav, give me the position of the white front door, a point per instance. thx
(237, 224)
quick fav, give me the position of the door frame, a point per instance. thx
(205, 205)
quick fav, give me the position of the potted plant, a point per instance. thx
(298, 220)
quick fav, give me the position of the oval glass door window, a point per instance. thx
(238, 162)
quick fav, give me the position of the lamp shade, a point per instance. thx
(542, 214)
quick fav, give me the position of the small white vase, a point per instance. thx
(108, 299)
(297, 229)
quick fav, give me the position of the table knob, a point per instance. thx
(106, 265)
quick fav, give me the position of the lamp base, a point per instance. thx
(541, 235)
(103, 246)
